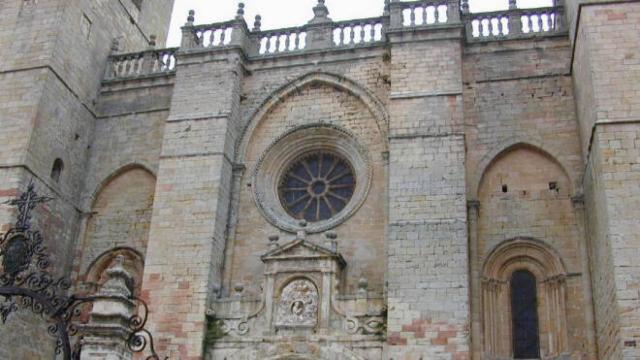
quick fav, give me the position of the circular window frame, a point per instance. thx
(285, 150)
(326, 193)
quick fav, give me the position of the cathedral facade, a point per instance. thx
(427, 184)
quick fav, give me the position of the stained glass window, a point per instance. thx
(317, 186)
(524, 312)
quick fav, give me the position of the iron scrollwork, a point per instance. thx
(26, 282)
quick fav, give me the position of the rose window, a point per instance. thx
(317, 186)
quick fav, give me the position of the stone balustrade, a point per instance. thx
(280, 40)
(323, 34)
(358, 32)
(149, 62)
(423, 13)
(512, 24)
(212, 35)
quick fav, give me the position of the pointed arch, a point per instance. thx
(117, 171)
(374, 105)
(120, 213)
(513, 144)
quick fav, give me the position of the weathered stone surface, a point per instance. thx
(475, 150)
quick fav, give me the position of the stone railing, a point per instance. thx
(513, 24)
(280, 41)
(149, 62)
(424, 13)
(358, 32)
(211, 35)
(322, 34)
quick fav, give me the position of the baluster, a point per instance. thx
(127, 67)
(425, 14)
(500, 26)
(267, 44)
(223, 35)
(539, 21)
(372, 32)
(362, 33)
(278, 42)
(212, 38)
(547, 21)
(485, 26)
(134, 65)
(287, 42)
(412, 15)
(296, 42)
(352, 34)
(436, 15)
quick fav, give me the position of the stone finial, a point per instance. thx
(302, 233)
(115, 45)
(152, 40)
(191, 18)
(363, 285)
(238, 288)
(215, 289)
(240, 12)
(386, 7)
(257, 23)
(513, 4)
(464, 6)
(273, 241)
(331, 235)
(119, 281)
(321, 13)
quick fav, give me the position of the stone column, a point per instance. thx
(186, 247)
(609, 121)
(108, 329)
(428, 277)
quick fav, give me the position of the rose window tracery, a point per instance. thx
(317, 186)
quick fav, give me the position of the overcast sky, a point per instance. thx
(287, 13)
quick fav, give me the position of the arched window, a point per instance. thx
(524, 315)
(56, 170)
(523, 293)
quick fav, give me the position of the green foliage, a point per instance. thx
(214, 331)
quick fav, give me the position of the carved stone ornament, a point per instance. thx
(298, 305)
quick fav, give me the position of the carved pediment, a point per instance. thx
(301, 249)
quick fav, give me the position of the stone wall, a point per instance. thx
(427, 237)
(605, 69)
(446, 120)
(54, 54)
(315, 102)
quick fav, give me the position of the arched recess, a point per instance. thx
(509, 145)
(545, 264)
(115, 172)
(95, 275)
(120, 213)
(525, 191)
(374, 105)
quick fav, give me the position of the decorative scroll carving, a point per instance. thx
(298, 305)
(374, 325)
